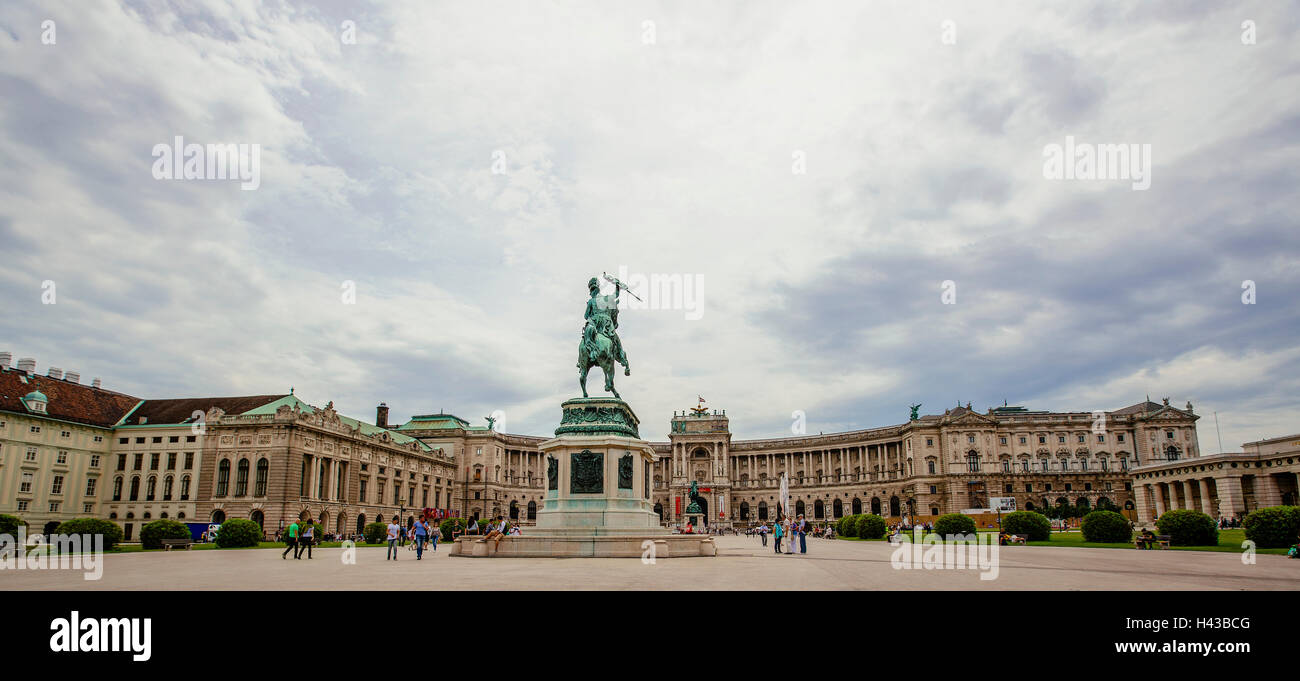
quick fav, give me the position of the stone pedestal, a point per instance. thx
(597, 501)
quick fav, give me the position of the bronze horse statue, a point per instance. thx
(600, 345)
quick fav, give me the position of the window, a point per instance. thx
(1022, 439)
(397, 494)
(121, 462)
(117, 488)
(1123, 463)
(57, 486)
(1044, 463)
(1047, 487)
(174, 438)
(153, 461)
(171, 461)
(929, 442)
(87, 508)
(98, 438)
(54, 507)
(1042, 439)
(930, 466)
(1101, 439)
(185, 487)
(135, 488)
(139, 440)
(157, 439)
(123, 440)
(379, 498)
(150, 488)
(1069, 487)
(1120, 437)
(1006, 466)
(35, 429)
(22, 504)
(970, 439)
(934, 489)
(90, 486)
(363, 491)
(241, 478)
(1024, 465)
(1060, 438)
(189, 460)
(191, 438)
(25, 487)
(1006, 488)
(263, 470)
(973, 462)
(94, 461)
(1029, 486)
(138, 463)
(167, 488)
(1169, 434)
(1083, 464)
(1087, 486)
(1003, 439)
(65, 434)
(31, 453)
(223, 478)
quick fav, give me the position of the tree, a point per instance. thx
(109, 530)
(152, 534)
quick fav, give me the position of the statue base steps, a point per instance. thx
(588, 546)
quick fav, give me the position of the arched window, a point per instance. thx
(532, 510)
(819, 509)
(857, 506)
(762, 510)
(514, 510)
(930, 467)
(135, 488)
(972, 463)
(257, 517)
(744, 510)
(218, 517)
(799, 508)
(361, 523)
(895, 508)
(241, 478)
(875, 505)
(263, 471)
(223, 478)
(1044, 464)
(185, 487)
(167, 487)
(117, 488)
(151, 488)
(837, 509)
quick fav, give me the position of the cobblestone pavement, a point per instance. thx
(742, 564)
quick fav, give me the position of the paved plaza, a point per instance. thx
(742, 564)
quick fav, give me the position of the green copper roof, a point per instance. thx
(36, 395)
(437, 422)
(366, 428)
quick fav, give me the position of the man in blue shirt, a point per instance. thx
(421, 534)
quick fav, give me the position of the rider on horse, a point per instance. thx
(602, 318)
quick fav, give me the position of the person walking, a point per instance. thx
(776, 536)
(421, 534)
(393, 530)
(291, 540)
(803, 532)
(762, 533)
(305, 538)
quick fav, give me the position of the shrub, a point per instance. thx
(152, 534)
(1036, 525)
(111, 531)
(238, 532)
(376, 533)
(1188, 528)
(954, 523)
(1106, 527)
(9, 525)
(870, 526)
(1274, 527)
(848, 526)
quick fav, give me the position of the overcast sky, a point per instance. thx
(821, 169)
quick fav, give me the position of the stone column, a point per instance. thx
(1205, 497)
(1231, 500)
(1160, 502)
(1141, 503)
(1267, 492)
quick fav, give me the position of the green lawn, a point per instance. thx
(1229, 542)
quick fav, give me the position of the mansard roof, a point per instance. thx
(66, 401)
(181, 410)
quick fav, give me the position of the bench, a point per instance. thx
(169, 543)
(1160, 540)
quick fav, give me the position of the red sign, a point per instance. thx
(679, 506)
(721, 514)
(706, 489)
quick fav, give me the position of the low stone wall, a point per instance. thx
(543, 546)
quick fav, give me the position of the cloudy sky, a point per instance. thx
(819, 170)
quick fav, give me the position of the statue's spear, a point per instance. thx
(619, 284)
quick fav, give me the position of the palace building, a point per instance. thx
(70, 450)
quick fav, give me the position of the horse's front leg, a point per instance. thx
(582, 379)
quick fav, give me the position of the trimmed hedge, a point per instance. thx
(376, 533)
(1274, 527)
(848, 525)
(112, 531)
(954, 523)
(238, 532)
(1188, 528)
(9, 525)
(1107, 527)
(152, 534)
(1036, 525)
(869, 526)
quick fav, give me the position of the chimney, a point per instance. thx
(381, 415)
(5, 358)
(27, 364)
(95, 383)
(56, 372)
(72, 377)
